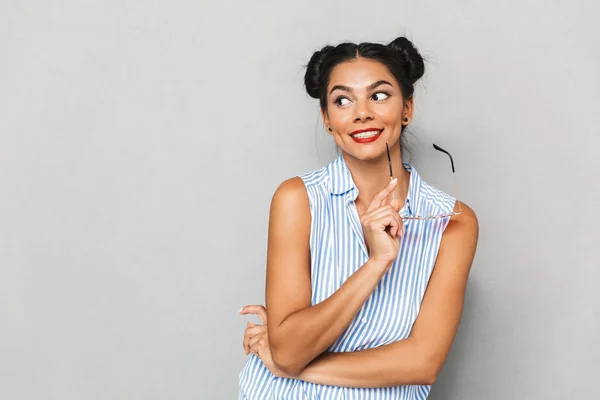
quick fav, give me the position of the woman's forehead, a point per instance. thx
(360, 73)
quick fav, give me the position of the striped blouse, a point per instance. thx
(337, 250)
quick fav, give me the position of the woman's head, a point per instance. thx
(365, 86)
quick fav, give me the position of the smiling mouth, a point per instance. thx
(366, 135)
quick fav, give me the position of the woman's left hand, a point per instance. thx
(256, 339)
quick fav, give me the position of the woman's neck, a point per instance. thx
(370, 177)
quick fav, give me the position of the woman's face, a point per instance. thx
(363, 95)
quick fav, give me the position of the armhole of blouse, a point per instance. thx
(311, 208)
(447, 220)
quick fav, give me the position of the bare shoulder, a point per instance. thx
(465, 223)
(288, 286)
(290, 205)
(291, 192)
(459, 241)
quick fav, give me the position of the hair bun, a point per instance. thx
(312, 77)
(414, 67)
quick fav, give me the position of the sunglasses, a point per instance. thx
(428, 217)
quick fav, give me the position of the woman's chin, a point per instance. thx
(367, 153)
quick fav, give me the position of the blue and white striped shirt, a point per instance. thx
(337, 250)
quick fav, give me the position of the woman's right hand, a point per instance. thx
(382, 226)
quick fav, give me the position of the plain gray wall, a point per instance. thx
(141, 142)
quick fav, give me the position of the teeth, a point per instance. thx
(366, 135)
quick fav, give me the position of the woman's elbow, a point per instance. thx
(285, 356)
(429, 376)
(288, 353)
(285, 362)
(430, 369)
(424, 375)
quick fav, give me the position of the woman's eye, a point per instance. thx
(380, 96)
(339, 101)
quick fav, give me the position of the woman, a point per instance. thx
(361, 302)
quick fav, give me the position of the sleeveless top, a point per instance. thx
(337, 250)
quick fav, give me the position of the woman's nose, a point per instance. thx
(363, 111)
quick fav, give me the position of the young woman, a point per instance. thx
(366, 274)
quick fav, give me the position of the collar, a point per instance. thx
(340, 178)
(341, 182)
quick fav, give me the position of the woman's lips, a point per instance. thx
(367, 139)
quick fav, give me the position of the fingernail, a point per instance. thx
(393, 181)
(240, 310)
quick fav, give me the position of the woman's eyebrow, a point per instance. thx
(370, 87)
(379, 83)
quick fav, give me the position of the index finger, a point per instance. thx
(259, 310)
(380, 197)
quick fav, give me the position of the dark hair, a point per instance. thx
(400, 56)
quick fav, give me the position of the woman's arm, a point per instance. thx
(418, 359)
(299, 332)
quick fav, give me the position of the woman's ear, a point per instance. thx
(408, 111)
(326, 121)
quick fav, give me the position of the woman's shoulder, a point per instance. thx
(437, 201)
(301, 191)
(291, 190)
(433, 194)
(290, 206)
(315, 177)
(431, 200)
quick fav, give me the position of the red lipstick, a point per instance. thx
(366, 139)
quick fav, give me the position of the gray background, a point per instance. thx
(141, 142)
